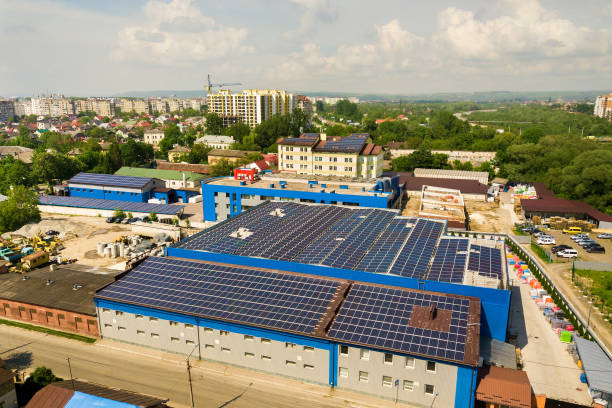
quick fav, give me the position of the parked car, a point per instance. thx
(605, 235)
(596, 249)
(545, 241)
(568, 253)
(527, 230)
(125, 220)
(585, 244)
(133, 220)
(118, 220)
(572, 230)
(110, 220)
(578, 236)
(144, 219)
(558, 248)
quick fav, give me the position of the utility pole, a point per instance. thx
(189, 376)
(70, 370)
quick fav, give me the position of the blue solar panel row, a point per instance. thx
(413, 259)
(109, 180)
(486, 261)
(380, 317)
(448, 264)
(347, 144)
(384, 250)
(280, 301)
(101, 204)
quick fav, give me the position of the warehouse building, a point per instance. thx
(225, 197)
(61, 298)
(480, 176)
(415, 345)
(96, 207)
(471, 190)
(184, 184)
(444, 204)
(110, 187)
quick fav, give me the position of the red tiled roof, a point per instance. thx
(262, 164)
(503, 386)
(561, 205)
(50, 397)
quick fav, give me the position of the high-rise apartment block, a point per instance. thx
(102, 107)
(603, 106)
(139, 106)
(7, 110)
(252, 106)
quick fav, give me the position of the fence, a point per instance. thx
(561, 301)
(593, 266)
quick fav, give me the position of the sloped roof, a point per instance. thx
(465, 186)
(561, 205)
(158, 173)
(597, 365)
(503, 386)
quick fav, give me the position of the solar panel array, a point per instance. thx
(380, 317)
(109, 180)
(101, 204)
(449, 262)
(383, 251)
(280, 301)
(486, 261)
(345, 144)
(413, 259)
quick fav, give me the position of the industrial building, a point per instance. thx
(109, 187)
(60, 298)
(480, 176)
(471, 190)
(97, 207)
(319, 154)
(225, 197)
(444, 204)
(184, 184)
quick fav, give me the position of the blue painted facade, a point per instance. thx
(184, 195)
(385, 194)
(495, 303)
(138, 197)
(167, 196)
(466, 376)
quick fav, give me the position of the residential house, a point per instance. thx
(175, 154)
(216, 141)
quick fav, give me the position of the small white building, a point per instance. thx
(153, 136)
(216, 141)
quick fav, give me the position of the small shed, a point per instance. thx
(597, 367)
(36, 259)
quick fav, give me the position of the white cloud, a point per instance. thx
(178, 32)
(311, 13)
(393, 38)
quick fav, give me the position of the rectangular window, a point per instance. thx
(105, 310)
(140, 332)
(139, 317)
(431, 366)
(388, 358)
(364, 354)
(363, 376)
(223, 333)
(173, 323)
(118, 313)
(226, 350)
(155, 335)
(121, 328)
(408, 385)
(343, 372)
(409, 362)
(249, 355)
(189, 342)
(108, 326)
(308, 348)
(290, 363)
(208, 330)
(344, 350)
(387, 381)
(266, 341)
(49, 314)
(290, 346)
(266, 358)
(209, 346)
(174, 339)
(249, 338)
(308, 366)
(78, 320)
(430, 389)
(188, 326)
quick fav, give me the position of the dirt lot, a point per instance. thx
(79, 234)
(583, 255)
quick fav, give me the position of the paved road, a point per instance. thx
(164, 375)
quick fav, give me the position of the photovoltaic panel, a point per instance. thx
(486, 261)
(101, 204)
(109, 180)
(387, 246)
(345, 144)
(254, 297)
(380, 317)
(448, 264)
(414, 257)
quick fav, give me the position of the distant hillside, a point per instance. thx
(496, 96)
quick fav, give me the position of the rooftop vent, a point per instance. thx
(278, 212)
(76, 286)
(49, 282)
(241, 233)
(432, 311)
(25, 277)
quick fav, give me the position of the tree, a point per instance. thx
(114, 158)
(421, 158)
(238, 131)
(50, 166)
(320, 106)
(214, 124)
(14, 172)
(25, 138)
(532, 135)
(271, 129)
(40, 378)
(153, 216)
(198, 154)
(20, 208)
(221, 168)
(298, 122)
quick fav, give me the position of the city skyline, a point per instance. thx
(306, 45)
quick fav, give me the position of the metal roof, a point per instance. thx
(101, 204)
(97, 179)
(159, 173)
(497, 352)
(596, 364)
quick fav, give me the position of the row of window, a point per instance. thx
(332, 168)
(387, 381)
(48, 315)
(297, 149)
(105, 191)
(364, 354)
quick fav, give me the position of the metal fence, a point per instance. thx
(593, 266)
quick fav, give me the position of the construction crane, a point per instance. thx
(211, 85)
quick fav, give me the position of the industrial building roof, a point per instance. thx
(409, 321)
(413, 183)
(503, 386)
(110, 180)
(480, 176)
(102, 204)
(497, 352)
(195, 168)
(77, 393)
(56, 289)
(597, 365)
(159, 173)
(563, 206)
(353, 238)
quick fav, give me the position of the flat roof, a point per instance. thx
(413, 183)
(96, 179)
(411, 321)
(353, 238)
(60, 294)
(101, 204)
(457, 174)
(597, 365)
(159, 173)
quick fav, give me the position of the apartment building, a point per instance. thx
(216, 141)
(139, 106)
(252, 106)
(603, 106)
(7, 110)
(304, 104)
(153, 136)
(318, 154)
(55, 107)
(159, 105)
(102, 107)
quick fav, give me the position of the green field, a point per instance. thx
(599, 284)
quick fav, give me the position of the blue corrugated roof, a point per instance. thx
(101, 204)
(82, 400)
(97, 179)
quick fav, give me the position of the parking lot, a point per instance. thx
(565, 239)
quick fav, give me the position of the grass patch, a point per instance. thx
(518, 231)
(46, 330)
(599, 284)
(540, 252)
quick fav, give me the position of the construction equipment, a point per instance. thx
(210, 85)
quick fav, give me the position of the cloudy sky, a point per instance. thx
(92, 47)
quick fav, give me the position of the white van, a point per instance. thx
(568, 253)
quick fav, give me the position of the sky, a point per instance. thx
(100, 48)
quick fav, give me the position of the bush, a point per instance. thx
(119, 214)
(153, 216)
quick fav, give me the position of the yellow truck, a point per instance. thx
(572, 230)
